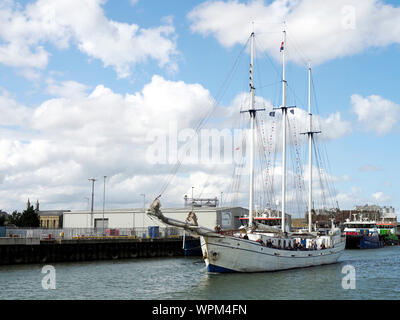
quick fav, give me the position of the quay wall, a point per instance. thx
(31, 251)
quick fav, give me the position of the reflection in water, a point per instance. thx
(377, 277)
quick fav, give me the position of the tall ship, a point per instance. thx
(362, 234)
(264, 243)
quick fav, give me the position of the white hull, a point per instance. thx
(233, 254)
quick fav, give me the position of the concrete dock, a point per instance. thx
(30, 251)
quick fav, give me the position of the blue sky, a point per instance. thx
(51, 65)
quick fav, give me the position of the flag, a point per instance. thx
(272, 114)
(292, 111)
(282, 46)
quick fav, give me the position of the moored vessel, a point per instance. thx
(362, 234)
(261, 247)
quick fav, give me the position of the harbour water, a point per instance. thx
(377, 276)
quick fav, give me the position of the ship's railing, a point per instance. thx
(82, 233)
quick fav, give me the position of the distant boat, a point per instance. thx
(362, 234)
(258, 247)
(388, 232)
(386, 228)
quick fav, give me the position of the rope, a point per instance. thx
(201, 123)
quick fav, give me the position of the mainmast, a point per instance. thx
(252, 112)
(284, 109)
(310, 134)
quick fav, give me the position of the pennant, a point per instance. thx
(292, 111)
(282, 46)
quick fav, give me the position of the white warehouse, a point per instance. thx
(209, 217)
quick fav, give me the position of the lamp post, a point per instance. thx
(91, 210)
(144, 206)
(104, 201)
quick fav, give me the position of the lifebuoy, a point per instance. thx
(152, 251)
(115, 256)
(18, 256)
(115, 253)
(133, 252)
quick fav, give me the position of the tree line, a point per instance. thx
(29, 218)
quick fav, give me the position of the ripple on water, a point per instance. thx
(377, 277)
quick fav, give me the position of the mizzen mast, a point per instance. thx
(310, 134)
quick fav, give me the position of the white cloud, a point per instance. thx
(66, 88)
(84, 133)
(348, 200)
(317, 30)
(332, 127)
(24, 31)
(380, 197)
(12, 113)
(133, 2)
(375, 114)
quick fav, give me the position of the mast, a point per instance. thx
(309, 153)
(284, 109)
(310, 134)
(284, 117)
(252, 111)
(252, 120)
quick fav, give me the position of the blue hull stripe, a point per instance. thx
(214, 268)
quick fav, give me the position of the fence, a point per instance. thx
(78, 233)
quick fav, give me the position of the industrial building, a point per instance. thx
(207, 216)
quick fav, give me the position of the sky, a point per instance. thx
(88, 87)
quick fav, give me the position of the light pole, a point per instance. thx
(144, 206)
(221, 199)
(104, 201)
(86, 198)
(91, 210)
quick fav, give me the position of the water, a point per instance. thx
(377, 277)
